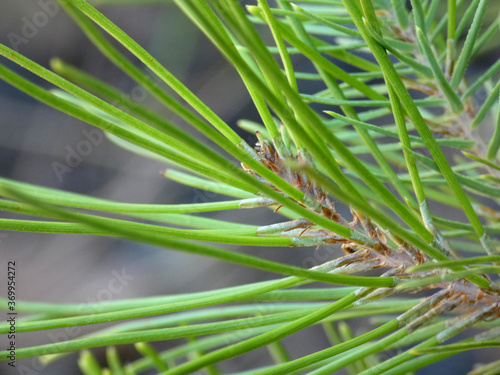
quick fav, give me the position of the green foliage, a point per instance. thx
(371, 59)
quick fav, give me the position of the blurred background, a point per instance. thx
(76, 269)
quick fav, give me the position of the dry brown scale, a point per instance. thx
(359, 257)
